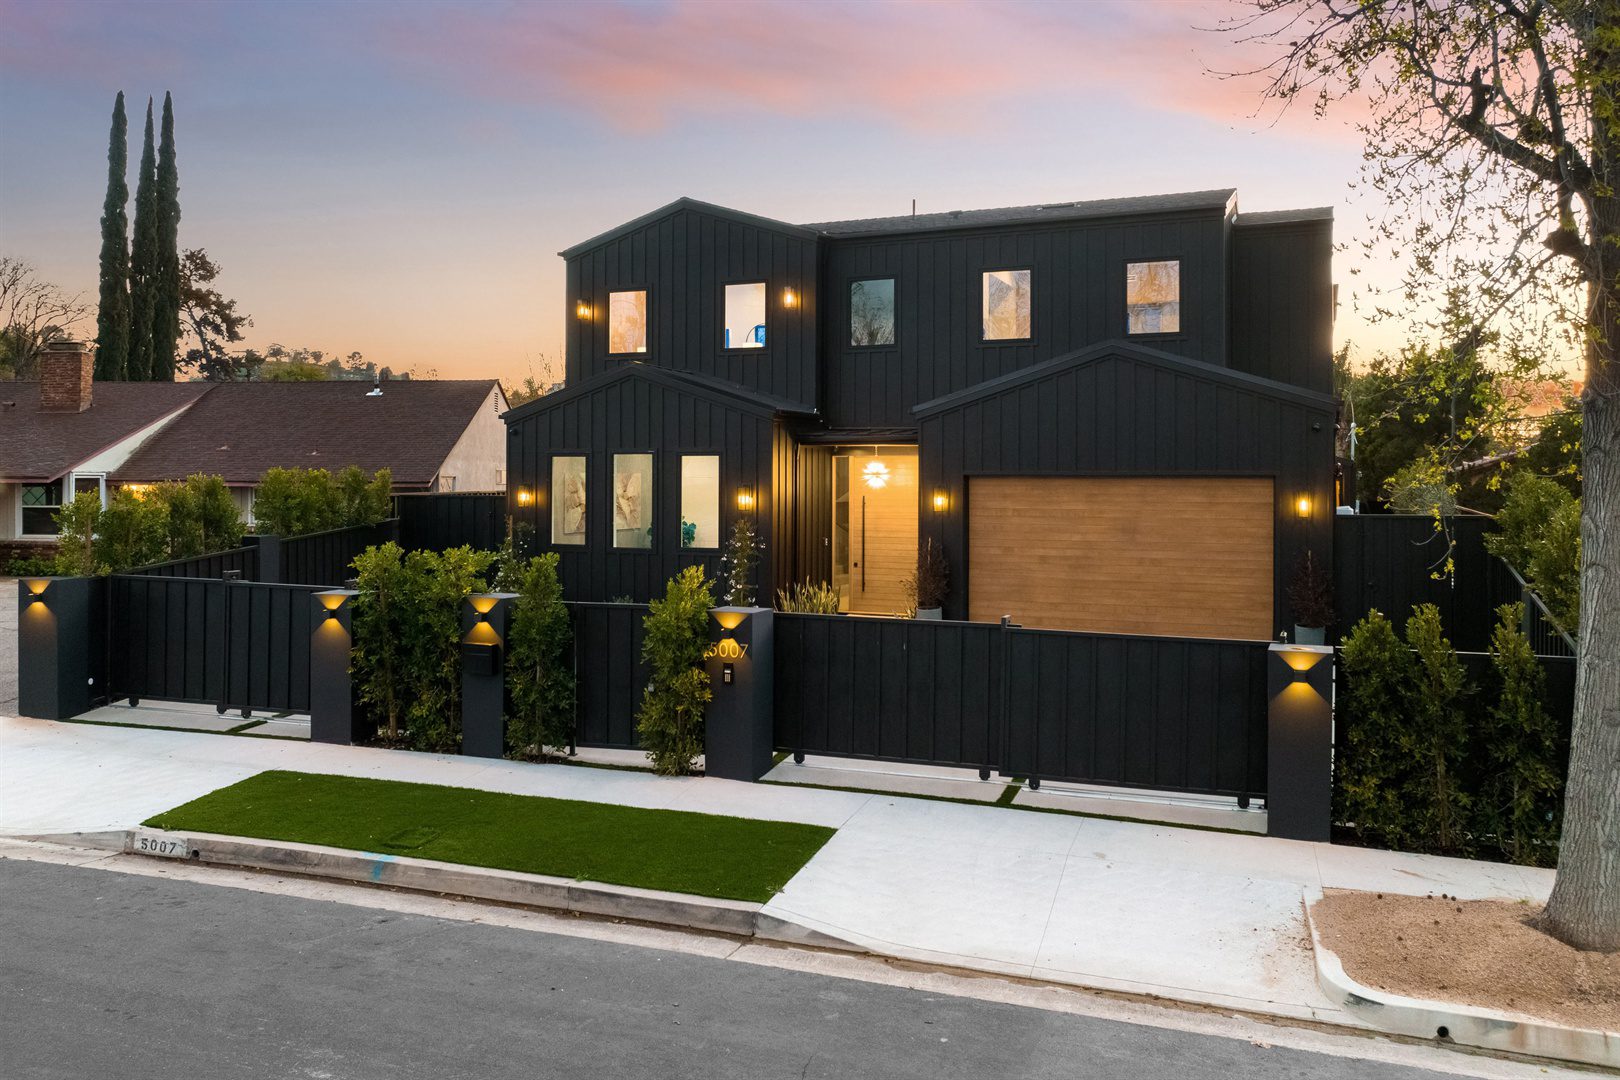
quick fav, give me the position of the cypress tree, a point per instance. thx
(112, 317)
(143, 266)
(166, 303)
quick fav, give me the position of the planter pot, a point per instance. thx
(933, 613)
(1310, 635)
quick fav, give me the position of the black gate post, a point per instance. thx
(60, 631)
(740, 731)
(484, 618)
(331, 691)
(1299, 745)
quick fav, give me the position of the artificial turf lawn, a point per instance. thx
(673, 850)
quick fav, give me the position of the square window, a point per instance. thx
(40, 504)
(568, 500)
(1006, 305)
(745, 316)
(632, 500)
(700, 501)
(1153, 297)
(871, 312)
(627, 322)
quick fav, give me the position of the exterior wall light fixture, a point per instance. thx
(1302, 507)
(525, 497)
(942, 501)
(745, 499)
(36, 589)
(790, 298)
(582, 310)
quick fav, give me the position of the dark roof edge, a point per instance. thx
(1213, 200)
(686, 202)
(1118, 347)
(1285, 217)
(718, 389)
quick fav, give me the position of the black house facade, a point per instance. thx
(1111, 416)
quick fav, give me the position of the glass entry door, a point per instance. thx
(874, 535)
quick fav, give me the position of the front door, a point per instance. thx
(874, 517)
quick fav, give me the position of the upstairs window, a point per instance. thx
(871, 312)
(1006, 305)
(745, 316)
(568, 500)
(1153, 297)
(627, 322)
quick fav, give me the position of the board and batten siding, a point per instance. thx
(637, 415)
(1120, 411)
(1282, 302)
(1078, 299)
(684, 260)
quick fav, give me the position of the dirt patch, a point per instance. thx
(1473, 952)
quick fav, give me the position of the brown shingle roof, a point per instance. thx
(41, 446)
(240, 430)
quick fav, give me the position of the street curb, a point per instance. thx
(1485, 1029)
(735, 918)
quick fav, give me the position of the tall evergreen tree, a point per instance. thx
(112, 318)
(166, 302)
(143, 261)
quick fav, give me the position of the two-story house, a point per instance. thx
(1110, 416)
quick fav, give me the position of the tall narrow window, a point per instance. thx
(1153, 297)
(1006, 305)
(745, 316)
(627, 322)
(568, 500)
(871, 312)
(700, 501)
(632, 500)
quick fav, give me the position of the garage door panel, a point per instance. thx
(1174, 556)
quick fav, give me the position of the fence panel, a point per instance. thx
(437, 521)
(892, 689)
(1394, 561)
(326, 558)
(244, 560)
(1172, 714)
(608, 672)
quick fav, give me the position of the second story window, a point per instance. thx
(627, 322)
(745, 316)
(871, 312)
(1006, 305)
(1153, 297)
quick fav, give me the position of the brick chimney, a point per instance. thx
(65, 370)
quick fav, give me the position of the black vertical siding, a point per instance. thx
(684, 260)
(1282, 302)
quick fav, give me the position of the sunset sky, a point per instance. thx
(398, 178)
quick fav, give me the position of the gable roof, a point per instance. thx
(1216, 199)
(686, 203)
(38, 447)
(1129, 351)
(686, 382)
(240, 430)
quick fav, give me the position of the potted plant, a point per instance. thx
(1310, 594)
(928, 586)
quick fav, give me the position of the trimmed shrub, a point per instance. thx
(1437, 735)
(1373, 767)
(1555, 566)
(670, 720)
(1520, 802)
(202, 516)
(1531, 502)
(539, 667)
(294, 502)
(131, 531)
(76, 534)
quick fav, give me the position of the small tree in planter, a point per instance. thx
(670, 721)
(1310, 594)
(739, 562)
(539, 672)
(928, 587)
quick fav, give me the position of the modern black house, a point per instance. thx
(1112, 415)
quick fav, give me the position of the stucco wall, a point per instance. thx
(478, 460)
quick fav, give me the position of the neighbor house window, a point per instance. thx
(1153, 297)
(632, 500)
(700, 501)
(568, 500)
(627, 322)
(745, 316)
(871, 312)
(1006, 305)
(40, 505)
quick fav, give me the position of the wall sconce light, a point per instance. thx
(790, 298)
(36, 589)
(942, 501)
(1302, 658)
(582, 310)
(1302, 507)
(745, 499)
(333, 603)
(728, 648)
(525, 497)
(730, 618)
(876, 475)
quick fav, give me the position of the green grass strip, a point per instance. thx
(673, 850)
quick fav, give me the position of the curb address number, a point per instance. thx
(160, 846)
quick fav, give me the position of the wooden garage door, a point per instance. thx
(1174, 556)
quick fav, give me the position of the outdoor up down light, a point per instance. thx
(36, 589)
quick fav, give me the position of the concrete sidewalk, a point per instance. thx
(1195, 916)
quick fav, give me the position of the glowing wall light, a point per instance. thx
(790, 298)
(525, 497)
(582, 310)
(942, 501)
(745, 499)
(1302, 507)
(876, 475)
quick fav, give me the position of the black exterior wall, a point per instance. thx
(1282, 300)
(1121, 410)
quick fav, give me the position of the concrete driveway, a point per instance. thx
(8, 646)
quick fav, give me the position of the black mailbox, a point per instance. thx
(480, 658)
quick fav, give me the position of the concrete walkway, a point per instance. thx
(1196, 916)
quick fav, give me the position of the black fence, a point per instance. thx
(243, 560)
(234, 644)
(327, 558)
(434, 522)
(608, 672)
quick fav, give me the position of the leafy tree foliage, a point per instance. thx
(293, 502)
(33, 311)
(539, 662)
(131, 531)
(670, 721)
(739, 563)
(1372, 772)
(166, 271)
(76, 536)
(1438, 736)
(143, 262)
(201, 515)
(112, 318)
(212, 322)
(1519, 805)
(1539, 534)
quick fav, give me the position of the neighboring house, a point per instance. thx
(1111, 416)
(65, 434)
